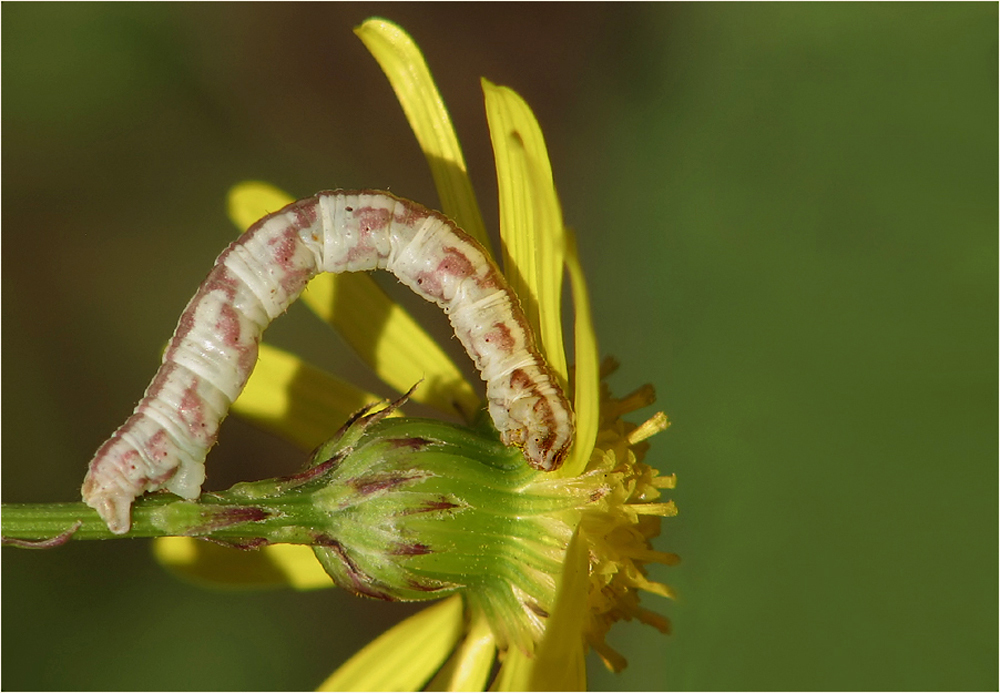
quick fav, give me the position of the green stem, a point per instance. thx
(40, 521)
(248, 515)
(219, 516)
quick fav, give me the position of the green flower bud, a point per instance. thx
(414, 509)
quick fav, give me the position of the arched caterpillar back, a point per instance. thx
(164, 442)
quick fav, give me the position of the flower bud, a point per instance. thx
(416, 509)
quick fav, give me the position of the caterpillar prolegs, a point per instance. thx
(164, 442)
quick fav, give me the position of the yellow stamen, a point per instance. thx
(658, 422)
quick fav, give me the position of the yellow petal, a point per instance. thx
(277, 565)
(586, 386)
(249, 201)
(405, 657)
(404, 65)
(400, 351)
(531, 226)
(297, 401)
(391, 341)
(469, 668)
(559, 663)
(515, 672)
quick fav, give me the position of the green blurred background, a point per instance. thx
(788, 216)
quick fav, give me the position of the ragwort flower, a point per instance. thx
(602, 507)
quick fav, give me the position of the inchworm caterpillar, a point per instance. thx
(164, 442)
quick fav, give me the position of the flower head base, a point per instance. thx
(418, 509)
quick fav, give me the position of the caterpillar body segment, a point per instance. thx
(164, 442)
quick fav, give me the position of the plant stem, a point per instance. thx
(214, 515)
(39, 521)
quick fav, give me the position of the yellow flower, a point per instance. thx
(607, 536)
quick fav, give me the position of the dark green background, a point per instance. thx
(788, 216)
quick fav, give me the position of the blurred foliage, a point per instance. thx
(788, 215)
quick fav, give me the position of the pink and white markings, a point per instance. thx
(214, 348)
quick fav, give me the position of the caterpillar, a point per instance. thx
(163, 444)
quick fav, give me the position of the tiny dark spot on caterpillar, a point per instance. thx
(348, 209)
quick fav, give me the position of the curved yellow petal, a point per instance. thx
(298, 401)
(559, 662)
(531, 225)
(250, 200)
(404, 65)
(277, 565)
(406, 656)
(586, 385)
(469, 668)
(399, 351)
(390, 340)
(515, 672)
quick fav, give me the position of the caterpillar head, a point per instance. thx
(544, 436)
(547, 450)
